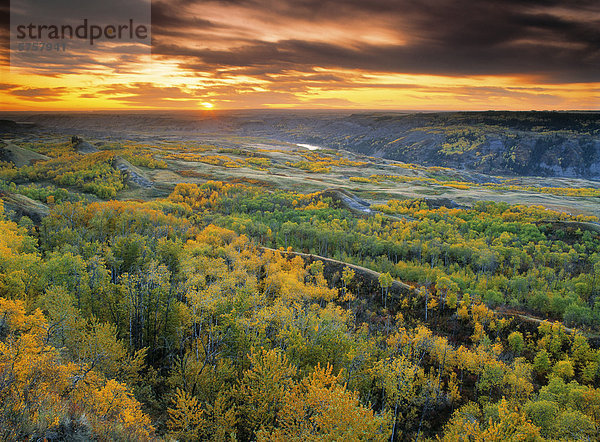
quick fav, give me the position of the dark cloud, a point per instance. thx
(4, 32)
(39, 94)
(304, 53)
(169, 17)
(556, 40)
(554, 63)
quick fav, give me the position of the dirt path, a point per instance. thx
(398, 285)
(402, 288)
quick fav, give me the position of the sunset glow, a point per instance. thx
(333, 54)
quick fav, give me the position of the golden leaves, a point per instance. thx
(43, 389)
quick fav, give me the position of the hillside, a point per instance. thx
(552, 144)
(517, 143)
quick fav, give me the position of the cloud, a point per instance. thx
(559, 40)
(164, 19)
(4, 32)
(38, 94)
(8, 86)
(338, 53)
(148, 95)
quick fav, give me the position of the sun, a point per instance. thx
(207, 105)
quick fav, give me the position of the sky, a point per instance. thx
(355, 54)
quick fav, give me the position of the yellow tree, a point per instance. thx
(468, 424)
(42, 392)
(263, 388)
(320, 409)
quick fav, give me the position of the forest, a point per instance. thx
(231, 308)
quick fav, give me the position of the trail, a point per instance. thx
(399, 287)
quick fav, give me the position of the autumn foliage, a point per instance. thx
(194, 317)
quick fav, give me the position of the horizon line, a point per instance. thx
(208, 111)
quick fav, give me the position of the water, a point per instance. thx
(309, 146)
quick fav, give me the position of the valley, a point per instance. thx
(253, 277)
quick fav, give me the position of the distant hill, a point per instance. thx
(515, 143)
(12, 127)
(560, 144)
